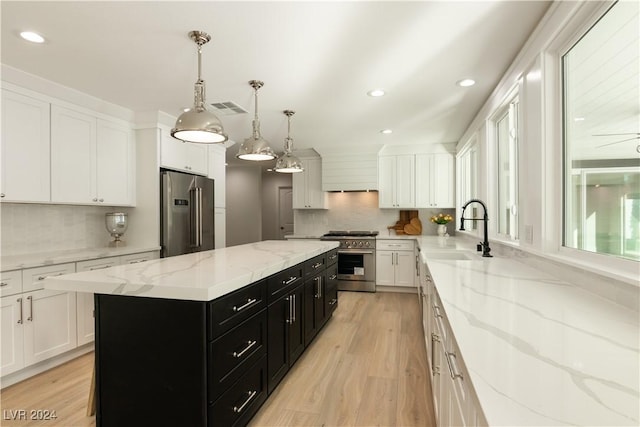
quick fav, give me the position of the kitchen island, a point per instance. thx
(202, 339)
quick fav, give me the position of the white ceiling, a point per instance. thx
(317, 58)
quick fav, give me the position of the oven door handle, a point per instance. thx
(356, 252)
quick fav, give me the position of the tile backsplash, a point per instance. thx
(35, 228)
(359, 211)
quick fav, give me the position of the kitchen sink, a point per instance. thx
(455, 256)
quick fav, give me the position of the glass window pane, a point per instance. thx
(601, 74)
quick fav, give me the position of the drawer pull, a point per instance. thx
(242, 307)
(290, 281)
(238, 409)
(316, 265)
(3, 284)
(51, 275)
(249, 345)
(333, 277)
(137, 261)
(332, 257)
(100, 268)
(333, 301)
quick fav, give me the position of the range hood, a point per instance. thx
(350, 168)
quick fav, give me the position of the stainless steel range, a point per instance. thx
(356, 259)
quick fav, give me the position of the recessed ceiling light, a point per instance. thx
(465, 82)
(376, 92)
(386, 131)
(32, 37)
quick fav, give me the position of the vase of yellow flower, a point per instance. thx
(442, 220)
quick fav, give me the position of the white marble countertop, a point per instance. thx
(540, 351)
(201, 276)
(16, 262)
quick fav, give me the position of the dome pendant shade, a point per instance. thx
(288, 162)
(198, 124)
(256, 148)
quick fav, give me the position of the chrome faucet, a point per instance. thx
(484, 246)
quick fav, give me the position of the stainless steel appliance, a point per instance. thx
(356, 259)
(186, 213)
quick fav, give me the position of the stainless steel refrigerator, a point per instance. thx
(186, 213)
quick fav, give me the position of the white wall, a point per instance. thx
(244, 204)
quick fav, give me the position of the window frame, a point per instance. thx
(554, 160)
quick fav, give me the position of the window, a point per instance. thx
(506, 149)
(601, 97)
(468, 179)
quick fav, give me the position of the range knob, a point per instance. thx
(367, 243)
(360, 243)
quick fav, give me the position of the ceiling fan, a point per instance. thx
(636, 135)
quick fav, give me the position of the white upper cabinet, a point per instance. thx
(435, 181)
(115, 158)
(91, 159)
(396, 181)
(25, 149)
(182, 156)
(307, 186)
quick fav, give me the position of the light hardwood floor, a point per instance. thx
(367, 367)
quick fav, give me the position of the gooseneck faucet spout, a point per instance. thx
(486, 250)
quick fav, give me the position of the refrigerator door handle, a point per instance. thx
(194, 212)
(199, 192)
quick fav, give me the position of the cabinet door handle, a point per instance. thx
(244, 350)
(290, 281)
(101, 200)
(3, 284)
(238, 409)
(95, 199)
(316, 265)
(290, 317)
(333, 277)
(30, 299)
(451, 361)
(293, 312)
(242, 307)
(20, 319)
(334, 256)
(434, 340)
(1, 194)
(333, 301)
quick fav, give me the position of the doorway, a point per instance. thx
(285, 212)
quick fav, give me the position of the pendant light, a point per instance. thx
(199, 124)
(288, 163)
(255, 147)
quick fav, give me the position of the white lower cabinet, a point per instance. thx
(49, 324)
(36, 326)
(395, 263)
(454, 400)
(12, 330)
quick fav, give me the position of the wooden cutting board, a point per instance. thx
(414, 227)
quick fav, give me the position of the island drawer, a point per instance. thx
(280, 283)
(233, 352)
(243, 399)
(315, 265)
(230, 310)
(332, 257)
